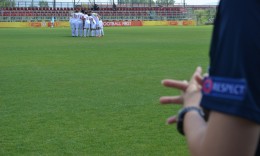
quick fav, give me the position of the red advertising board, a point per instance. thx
(173, 22)
(136, 23)
(188, 23)
(35, 24)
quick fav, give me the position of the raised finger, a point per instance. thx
(182, 85)
(172, 120)
(199, 79)
(171, 100)
(196, 75)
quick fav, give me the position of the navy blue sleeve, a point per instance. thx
(233, 86)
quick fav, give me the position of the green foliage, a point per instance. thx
(165, 2)
(43, 4)
(7, 3)
(62, 95)
(205, 16)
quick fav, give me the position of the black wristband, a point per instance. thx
(182, 114)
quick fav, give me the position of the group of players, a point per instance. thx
(86, 23)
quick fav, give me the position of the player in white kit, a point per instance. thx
(101, 26)
(92, 26)
(78, 23)
(86, 25)
(97, 28)
(72, 26)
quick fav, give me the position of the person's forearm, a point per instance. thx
(194, 129)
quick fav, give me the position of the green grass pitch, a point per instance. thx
(61, 95)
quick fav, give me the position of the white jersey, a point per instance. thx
(95, 17)
(78, 16)
(91, 20)
(87, 22)
(86, 17)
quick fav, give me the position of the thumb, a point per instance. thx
(196, 74)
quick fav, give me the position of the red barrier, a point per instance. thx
(173, 23)
(136, 23)
(188, 23)
(35, 24)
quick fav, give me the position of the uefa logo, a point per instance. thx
(207, 85)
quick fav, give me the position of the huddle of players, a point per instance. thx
(86, 22)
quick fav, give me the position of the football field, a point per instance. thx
(61, 95)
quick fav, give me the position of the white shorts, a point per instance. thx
(87, 25)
